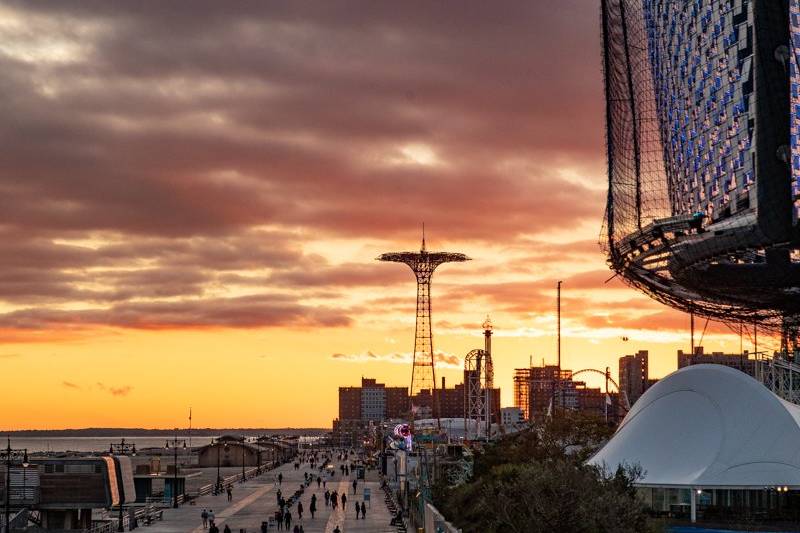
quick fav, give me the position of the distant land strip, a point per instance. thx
(142, 432)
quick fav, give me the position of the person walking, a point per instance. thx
(358, 511)
(344, 502)
(327, 498)
(296, 529)
(334, 499)
(300, 511)
(213, 529)
(363, 511)
(211, 517)
(313, 507)
(355, 484)
(337, 530)
(227, 529)
(229, 490)
(280, 478)
(287, 519)
(279, 519)
(204, 516)
(319, 481)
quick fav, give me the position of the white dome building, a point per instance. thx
(711, 431)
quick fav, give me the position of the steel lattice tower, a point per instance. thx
(423, 374)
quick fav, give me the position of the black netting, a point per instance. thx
(702, 117)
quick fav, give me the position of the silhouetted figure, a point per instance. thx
(363, 511)
(344, 502)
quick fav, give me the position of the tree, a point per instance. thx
(538, 480)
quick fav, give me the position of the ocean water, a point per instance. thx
(92, 444)
(102, 444)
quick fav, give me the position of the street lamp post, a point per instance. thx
(175, 444)
(121, 448)
(219, 478)
(11, 455)
(244, 449)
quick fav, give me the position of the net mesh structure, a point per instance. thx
(702, 122)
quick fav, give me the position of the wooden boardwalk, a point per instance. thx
(255, 501)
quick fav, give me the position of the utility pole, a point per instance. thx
(558, 377)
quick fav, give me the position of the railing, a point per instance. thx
(153, 508)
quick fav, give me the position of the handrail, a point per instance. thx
(152, 504)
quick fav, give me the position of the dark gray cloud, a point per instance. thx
(175, 133)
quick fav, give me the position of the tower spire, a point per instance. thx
(423, 237)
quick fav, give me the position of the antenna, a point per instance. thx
(423, 237)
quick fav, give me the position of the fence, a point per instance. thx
(153, 508)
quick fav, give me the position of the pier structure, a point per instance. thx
(423, 373)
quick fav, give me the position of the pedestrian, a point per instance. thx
(279, 519)
(211, 517)
(344, 502)
(363, 511)
(204, 516)
(280, 478)
(358, 511)
(278, 496)
(227, 529)
(299, 510)
(355, 484)
(213, 529)
(230, 493)
(296, 529)
(334, 499)
(327, 498)
(324, 483)
(337, 530)
(287, 519)
(319, 481)
(301, 529)
(313, 507)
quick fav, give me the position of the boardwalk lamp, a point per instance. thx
(175, 445)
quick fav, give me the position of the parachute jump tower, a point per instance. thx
(423, 375)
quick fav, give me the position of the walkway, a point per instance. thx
(256, 500)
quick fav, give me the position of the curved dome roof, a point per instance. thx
(709, 426)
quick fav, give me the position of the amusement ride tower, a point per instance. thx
(423, 374)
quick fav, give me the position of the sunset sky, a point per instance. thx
(193, 196)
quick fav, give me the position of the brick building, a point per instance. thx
(633, 375)
(741, 362)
